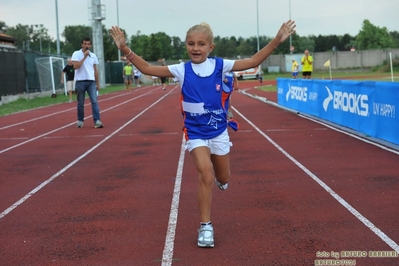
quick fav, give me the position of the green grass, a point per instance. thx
(374, 76)
(25, 104)
(371, 75)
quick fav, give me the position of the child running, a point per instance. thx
(204, 106)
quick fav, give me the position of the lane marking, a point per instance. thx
(59, 112)
(43, 184)
(167, 256)
(294, 129)
(357, 214)
(70, 124)
(351, 135)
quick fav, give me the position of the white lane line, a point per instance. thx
(70, 124)
(56, 113)
(35, 190)
(167, 256)
(351, 135)
(60, 112)
(359, 216)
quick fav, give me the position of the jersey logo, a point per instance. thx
(213, 122)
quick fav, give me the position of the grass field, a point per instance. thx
(24, 104)
(348, 75)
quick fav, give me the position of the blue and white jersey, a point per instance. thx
(204, 103)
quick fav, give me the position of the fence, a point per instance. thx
(18, 72)
(338, 60)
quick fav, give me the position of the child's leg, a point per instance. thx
(202, 159)
(221, 167)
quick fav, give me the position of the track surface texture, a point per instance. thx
(301, 192)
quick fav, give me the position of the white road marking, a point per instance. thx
(358, 215)
(70, 124)
(167, 256)
(35, 190)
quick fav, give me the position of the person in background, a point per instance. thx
(231, 81)
(86, 75)
(260, 75)
(137, 75)
(204, 105)
(155, 80)
(307, 63)
(163, 80)
(295, 67)
(128, 75)
(70, 76)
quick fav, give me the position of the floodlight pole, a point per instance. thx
(58, 34)
(40, 26)
(257, 22)
(97, 15)
(290, 19)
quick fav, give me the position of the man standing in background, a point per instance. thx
(307, 62)
(86, 76)
(70, 75)
(128, 75)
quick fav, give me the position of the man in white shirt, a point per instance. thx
(86, 76)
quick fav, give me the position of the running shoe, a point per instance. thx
(222, 187)
(79, 124)
(98, 124)
(205, 236)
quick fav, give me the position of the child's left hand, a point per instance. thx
(287, 29)
(118, 36)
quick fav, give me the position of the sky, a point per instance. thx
(239, 18)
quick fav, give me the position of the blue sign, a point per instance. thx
(365, 106)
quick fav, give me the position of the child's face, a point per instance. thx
(198, 46)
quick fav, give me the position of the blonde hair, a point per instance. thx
(202, 27)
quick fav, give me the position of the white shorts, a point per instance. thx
(219, 145)
(71, 85)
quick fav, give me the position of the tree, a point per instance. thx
(165, 49)
(73, 37)
(373, 37)
(395, 38)
(243, 48)
(21, 33)
(110, 49)
(3, 26)
(178, 48)
(346, 42)
(139, 44)
(306, 43)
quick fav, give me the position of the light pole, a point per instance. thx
(117, 23)
(257, 23)
(290, 35)
(58, 34)
(40, 26)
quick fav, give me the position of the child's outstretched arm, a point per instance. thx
(287, 29)
(137, 61)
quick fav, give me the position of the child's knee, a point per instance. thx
(206, 179)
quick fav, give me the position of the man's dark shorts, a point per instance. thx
(307, 73)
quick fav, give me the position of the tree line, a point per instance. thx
(160, 45)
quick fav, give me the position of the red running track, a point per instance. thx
(301, 192)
